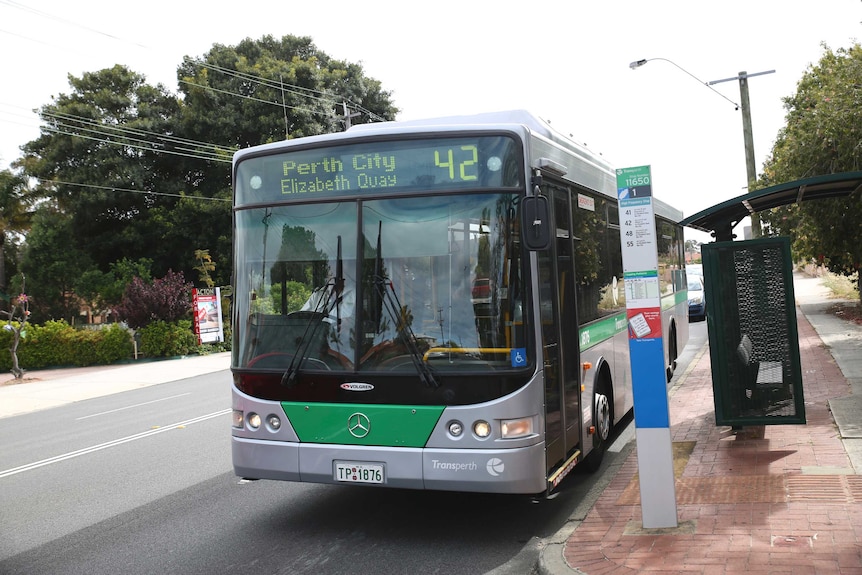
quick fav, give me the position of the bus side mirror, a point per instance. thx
(535, 222)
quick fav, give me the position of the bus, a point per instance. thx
(433, 304)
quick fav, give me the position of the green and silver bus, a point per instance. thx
(433, 304)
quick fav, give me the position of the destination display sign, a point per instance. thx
(384, 166)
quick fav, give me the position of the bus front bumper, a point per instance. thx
(519, 470)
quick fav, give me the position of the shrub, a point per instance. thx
(116, 344)
(166, 299)
(163, 339)
(56, 344)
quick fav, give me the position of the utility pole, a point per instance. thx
(347, 115)
(748, 137)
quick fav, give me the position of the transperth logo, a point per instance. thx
(495, 467)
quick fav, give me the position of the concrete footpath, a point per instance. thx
(774, 499)
(43, 389)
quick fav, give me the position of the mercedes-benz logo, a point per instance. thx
(358, 425)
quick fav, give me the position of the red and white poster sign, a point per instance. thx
(207, 309)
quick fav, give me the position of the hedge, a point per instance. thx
(57, 344)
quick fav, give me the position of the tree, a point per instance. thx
(165, 299)
(204, 267)
(822, 135)
(692, 247)
(272, 89)
(105, 180)
(193, 222)
(96, 159)
(16, 212)
(104, 290)
(53, 263)
(17, 324)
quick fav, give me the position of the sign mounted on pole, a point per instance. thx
(208, 315)
(646, 346)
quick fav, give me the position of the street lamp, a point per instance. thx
(748, 138)
(751, 170)
(638, 63)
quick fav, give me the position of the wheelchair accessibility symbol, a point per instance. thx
(519, 357)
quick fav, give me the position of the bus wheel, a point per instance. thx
(602, 421)
(672, 353)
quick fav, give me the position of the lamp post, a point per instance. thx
(748, 138)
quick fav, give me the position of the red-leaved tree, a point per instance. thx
(167, 299)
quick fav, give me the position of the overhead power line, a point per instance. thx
(319, 95)
(116, 189)
(71, 121)
(138, 146)
(21, 6)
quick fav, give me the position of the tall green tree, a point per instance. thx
(16, 212)
(822, 135)
(192, 223)
(272, 89)
(99, 160)
(54, 264)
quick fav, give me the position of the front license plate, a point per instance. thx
(355, 472)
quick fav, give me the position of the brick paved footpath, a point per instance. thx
(776, 499)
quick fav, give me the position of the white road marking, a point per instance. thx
(131, 406)
(106, 445)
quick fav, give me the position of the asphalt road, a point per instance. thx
(141, 482)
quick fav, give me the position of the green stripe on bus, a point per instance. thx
(599, 331)
(363, 424)
(606, 328)
(674, 299)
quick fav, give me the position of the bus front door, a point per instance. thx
(560, 333)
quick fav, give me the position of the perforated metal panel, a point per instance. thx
(753, 341)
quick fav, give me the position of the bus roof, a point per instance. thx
(506, 118)
(520, 117)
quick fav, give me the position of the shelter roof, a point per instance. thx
(725, 216)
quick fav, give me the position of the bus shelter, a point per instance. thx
(750, 306)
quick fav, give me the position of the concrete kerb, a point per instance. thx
(551, 560)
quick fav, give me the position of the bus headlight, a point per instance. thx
(273, 422)
(482, 429)
(455, 428)
(237, 418)
(514, 428)
(254, 421)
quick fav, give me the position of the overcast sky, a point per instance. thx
(566, 61)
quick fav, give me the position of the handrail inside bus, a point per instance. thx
(466, 350)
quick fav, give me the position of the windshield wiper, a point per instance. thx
(321, 311)
(389, 299)
(398, 315)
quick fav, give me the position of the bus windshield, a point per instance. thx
(402, 284)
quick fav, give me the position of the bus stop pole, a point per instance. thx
(646, 347)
